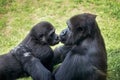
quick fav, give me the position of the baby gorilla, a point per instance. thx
(41, 36)
(31, 64)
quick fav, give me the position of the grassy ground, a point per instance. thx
(18, 16)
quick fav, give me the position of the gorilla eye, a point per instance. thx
(41, 35)
(52, 34)
(79, 29)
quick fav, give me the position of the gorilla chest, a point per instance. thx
(76, 65)
(78, 62)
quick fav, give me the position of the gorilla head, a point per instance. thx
(79, 27)
(44, 33)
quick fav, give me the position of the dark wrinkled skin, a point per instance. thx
(87, 60)
(41, 36)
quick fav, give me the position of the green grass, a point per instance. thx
(18, 16)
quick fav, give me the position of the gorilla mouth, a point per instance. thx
(62, 40)
(56, 42)
(52, 44)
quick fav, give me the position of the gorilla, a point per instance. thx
(41, 36)
(86, 57)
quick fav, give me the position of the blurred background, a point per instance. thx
(17, 17)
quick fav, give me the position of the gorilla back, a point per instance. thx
(87, 60)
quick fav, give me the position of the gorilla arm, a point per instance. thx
(60, 53)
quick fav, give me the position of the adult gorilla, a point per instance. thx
(38, 41)
(87, 59)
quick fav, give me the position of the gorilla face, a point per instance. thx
(64, 35)
(44, 33)
(79, 27)
(52, 38)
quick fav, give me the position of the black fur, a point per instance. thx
(31, 64)
(10, 68)
(87, 60)
(39, 40)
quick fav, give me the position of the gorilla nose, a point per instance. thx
(57, 38)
